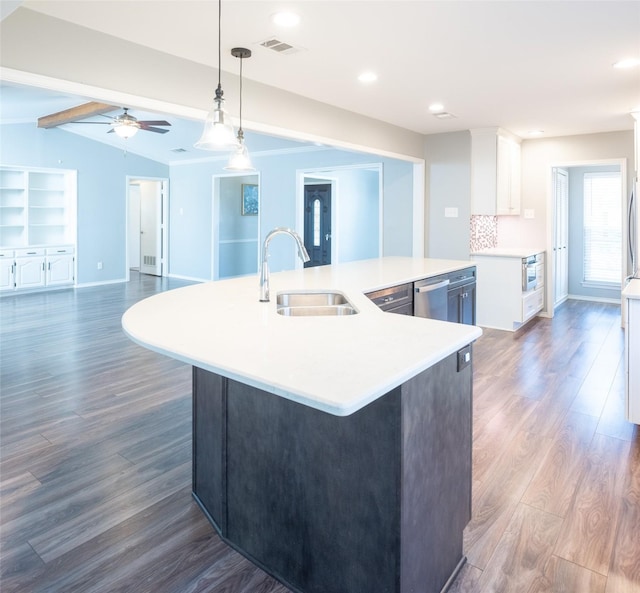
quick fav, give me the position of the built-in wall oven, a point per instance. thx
(531, 271)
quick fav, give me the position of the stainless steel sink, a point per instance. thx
(310, 299)
(316, 310)
(293, 304)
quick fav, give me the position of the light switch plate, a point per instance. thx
(451, 213)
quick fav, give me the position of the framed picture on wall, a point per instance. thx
(249, 199)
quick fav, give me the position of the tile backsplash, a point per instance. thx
(484, 232)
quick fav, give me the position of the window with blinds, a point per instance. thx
(603, 228)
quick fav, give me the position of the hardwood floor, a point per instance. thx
(95, 466)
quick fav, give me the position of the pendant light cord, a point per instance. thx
(240, 132)
(219, 92)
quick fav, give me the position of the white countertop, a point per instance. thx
(518, 252)
(632, 290)
(335, 364)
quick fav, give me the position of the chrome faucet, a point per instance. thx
(264, 266)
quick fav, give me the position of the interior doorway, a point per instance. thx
(317, 222)
(235, 225)
(354, 211)
(569, 244)
(146, 237)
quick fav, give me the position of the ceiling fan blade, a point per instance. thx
(102, 123)
(150, 122)
(152, 129)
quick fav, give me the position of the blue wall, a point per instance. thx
(102, 190)
(191, 205)
(103, 170)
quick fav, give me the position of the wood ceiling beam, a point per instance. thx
(74, 114)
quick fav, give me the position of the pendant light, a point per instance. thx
(218, 131)
(239, 159)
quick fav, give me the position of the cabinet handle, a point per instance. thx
(434, 286)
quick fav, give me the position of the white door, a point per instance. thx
(561, 236)
(151, 227)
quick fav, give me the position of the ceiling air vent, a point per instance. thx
(278, 46)
(444, 115)
(178, 150)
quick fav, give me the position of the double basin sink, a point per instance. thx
(306, 304)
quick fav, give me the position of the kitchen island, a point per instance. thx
(334, 452)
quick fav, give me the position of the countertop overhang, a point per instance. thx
(334, 364)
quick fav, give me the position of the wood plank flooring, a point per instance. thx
(95, 465)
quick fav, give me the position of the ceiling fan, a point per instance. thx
(124, 125)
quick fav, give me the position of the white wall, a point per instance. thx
(448, 182)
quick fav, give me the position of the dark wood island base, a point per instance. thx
(374, 502)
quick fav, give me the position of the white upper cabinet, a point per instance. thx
(495, 172)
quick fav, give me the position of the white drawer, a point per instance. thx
(62, 249)
(6, 253)
(29, 251)
(532, 303)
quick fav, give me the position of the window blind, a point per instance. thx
(602, 228)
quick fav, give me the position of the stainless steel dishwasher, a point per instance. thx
(430, 298)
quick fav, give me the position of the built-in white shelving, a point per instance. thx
(37, 218)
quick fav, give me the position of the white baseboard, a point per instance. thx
(103, 283)
(577, 297)
(191, 278)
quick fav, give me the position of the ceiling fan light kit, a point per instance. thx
(125, 125)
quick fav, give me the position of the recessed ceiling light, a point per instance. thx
(368, 77)
(286, 19)
(627, 63)
(535, 132)
(436, 107)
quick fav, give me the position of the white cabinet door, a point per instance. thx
(29, 272)
(495, 172)
(6, 273)
(60, 269)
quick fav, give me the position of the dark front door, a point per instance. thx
(317, 224)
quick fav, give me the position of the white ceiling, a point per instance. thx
(521, 65)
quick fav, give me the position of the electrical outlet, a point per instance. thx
(99, 265)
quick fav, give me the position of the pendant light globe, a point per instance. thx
(218, 133)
